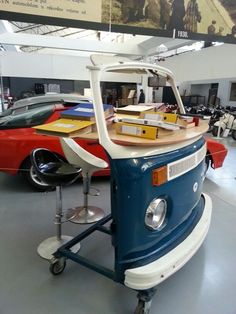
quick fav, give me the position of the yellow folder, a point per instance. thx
(159, 116)
(65, 127)
(143, 131)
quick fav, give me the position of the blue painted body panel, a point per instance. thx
(131, 193)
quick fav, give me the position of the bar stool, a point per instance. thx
(77, 156)
(54, 171)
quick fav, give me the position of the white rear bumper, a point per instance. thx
(150, 275)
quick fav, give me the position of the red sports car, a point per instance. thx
(18, 139)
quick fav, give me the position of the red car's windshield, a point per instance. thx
(28, 118)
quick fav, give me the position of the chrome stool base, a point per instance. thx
(82, 215)
(50, 246)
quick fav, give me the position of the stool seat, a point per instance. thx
(79, 157)
(54, 171)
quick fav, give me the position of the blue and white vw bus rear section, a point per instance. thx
(155, 223)
(160, 216)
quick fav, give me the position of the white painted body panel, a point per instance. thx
(117, 151)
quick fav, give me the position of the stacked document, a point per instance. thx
(165, 125)
(148, 124)
(65, 127)
(85, 111)
(134, 110)
(143, 131)
(159, 116)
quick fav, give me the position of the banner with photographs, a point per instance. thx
(208, 20)
(68, 9)
(71, 13)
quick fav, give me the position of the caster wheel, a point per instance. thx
(142, 307)
(57, 266)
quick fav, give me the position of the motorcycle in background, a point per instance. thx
(216, 114)
(227, 125)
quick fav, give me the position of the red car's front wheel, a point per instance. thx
(32, 178)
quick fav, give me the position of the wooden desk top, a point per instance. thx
(165, 137)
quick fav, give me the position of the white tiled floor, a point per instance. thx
(205, 285)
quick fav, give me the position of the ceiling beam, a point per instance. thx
(71, 44)
(136, 47)
(151, 44)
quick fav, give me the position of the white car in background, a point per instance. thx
(25, 104)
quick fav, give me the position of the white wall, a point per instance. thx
(15, 64)
(43, 66)
(206, 64)
(210, 65)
